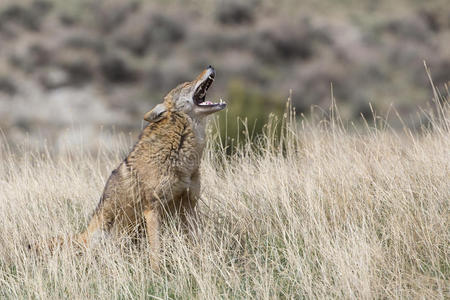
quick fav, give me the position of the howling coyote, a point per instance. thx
(161, 173)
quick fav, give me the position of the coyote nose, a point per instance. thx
(210, 67)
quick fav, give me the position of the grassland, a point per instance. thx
(324, 211)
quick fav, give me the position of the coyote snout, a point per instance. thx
(160, 175)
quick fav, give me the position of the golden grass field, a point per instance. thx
(325, 212)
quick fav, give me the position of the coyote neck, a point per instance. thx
(200, 133)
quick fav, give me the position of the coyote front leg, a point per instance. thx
(152, 220)
(189, 202)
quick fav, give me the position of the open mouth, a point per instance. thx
(200, 93)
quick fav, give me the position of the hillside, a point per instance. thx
(97, 66)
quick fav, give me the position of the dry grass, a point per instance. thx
(323, 213)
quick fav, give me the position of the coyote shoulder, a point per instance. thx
(160, 175)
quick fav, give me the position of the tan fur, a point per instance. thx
(160, 176)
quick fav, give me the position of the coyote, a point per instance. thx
(160, 175)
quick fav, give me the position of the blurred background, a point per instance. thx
(83, 70)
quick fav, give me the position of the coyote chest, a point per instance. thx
(168, 154)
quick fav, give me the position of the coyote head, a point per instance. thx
(188, 97)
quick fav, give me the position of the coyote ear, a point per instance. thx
(156, 113)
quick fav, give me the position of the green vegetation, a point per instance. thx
(247, 115)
